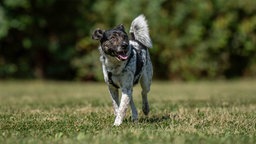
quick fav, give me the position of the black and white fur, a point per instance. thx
(125, 62)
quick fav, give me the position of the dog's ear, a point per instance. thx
(97, 34)
(120, 27)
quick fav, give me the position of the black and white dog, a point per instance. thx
(126, 62)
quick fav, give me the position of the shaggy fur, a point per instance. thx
(126, 62)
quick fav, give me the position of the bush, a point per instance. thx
(199, 39)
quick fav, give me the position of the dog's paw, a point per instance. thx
(135, 120)
(118, 121)
(134, 117)
(145, 108)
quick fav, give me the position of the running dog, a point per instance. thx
(125, 62)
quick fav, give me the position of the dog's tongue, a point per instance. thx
(122, 56)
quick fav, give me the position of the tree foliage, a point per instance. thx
(193, 39)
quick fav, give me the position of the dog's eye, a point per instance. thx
(112, 38)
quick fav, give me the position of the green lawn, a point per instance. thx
(72, 112)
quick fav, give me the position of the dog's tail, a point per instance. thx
(139, 31)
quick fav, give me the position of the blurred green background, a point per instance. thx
(192, 39)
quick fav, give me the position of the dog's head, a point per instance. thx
(114, 42)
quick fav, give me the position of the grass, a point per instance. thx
(71, 112)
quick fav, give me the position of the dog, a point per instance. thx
(125, 62)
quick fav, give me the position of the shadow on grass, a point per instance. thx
(155, 118)
(152, 119)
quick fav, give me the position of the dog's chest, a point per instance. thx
(115, 69)
(123, 79)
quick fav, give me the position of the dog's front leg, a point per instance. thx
(114, 96)
(125, 100)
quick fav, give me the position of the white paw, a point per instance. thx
(117, 122)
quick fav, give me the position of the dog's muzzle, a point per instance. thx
(122, 54)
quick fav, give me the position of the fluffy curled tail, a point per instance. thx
(139, 31)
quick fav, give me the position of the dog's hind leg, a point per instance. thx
(145, 83)
(115, 98)
(145, 89)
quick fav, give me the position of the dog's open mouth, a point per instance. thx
(122, 55)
